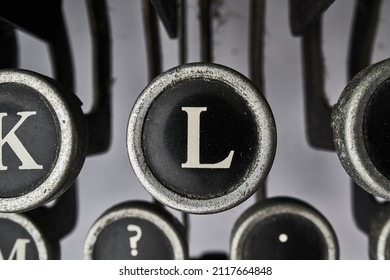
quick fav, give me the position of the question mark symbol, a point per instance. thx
(134, 239)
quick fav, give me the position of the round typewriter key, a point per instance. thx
(379, 235)
(42, 140)
(361, 122)
(376, 128)
(201, 138)
(135, 231)
(283, 228)
(21, 239)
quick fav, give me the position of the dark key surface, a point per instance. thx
(135, 231)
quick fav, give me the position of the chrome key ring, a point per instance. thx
(70, 129)
(347, 122)
(262, 116)
(269, 212)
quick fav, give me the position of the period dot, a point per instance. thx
(283, 237)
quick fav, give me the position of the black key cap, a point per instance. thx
(42, 140)
(22, 239)
(136, 231)
(361, 129)
(283, 229)
(201, 138)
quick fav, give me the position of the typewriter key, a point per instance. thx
(135, 231)
(283, 228)
(42, 140)
(361, 129)
(21, 239)
(201, 138)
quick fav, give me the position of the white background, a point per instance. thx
(298, 171)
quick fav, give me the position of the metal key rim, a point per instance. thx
(35, 233)
(347, 122)
(68, 125)
(276, 206)
(128, 211)
(263, 117)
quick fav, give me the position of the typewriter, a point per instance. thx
(194, 129)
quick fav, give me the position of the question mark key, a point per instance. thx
(135, 230)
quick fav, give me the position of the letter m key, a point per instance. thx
(13, 141)
(18, 251)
